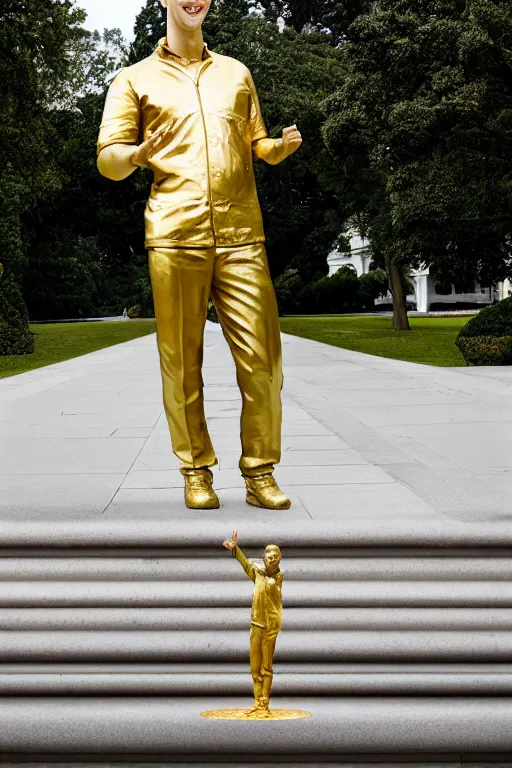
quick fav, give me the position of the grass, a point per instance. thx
(431, 340)
(61, 341)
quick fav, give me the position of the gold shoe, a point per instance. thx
(199, 493)
(264, 492)
(262, 711)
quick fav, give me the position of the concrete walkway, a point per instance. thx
(364, 437)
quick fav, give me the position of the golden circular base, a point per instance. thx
(244, 714)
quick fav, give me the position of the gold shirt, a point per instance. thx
(267, 600)
(204, 191)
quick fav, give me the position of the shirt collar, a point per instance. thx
(164, 50)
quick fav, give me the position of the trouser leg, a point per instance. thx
(256, 661)
(245, 300)
(181, 280)
(268, 645)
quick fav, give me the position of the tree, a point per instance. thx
(36, 41)
(150, 26)
(422, 131)
(86, 246)
(332, 295)
(320, 15)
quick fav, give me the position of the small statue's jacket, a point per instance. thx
(204, 190)
(267, 599)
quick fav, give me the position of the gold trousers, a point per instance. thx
(239, 283)
(262, 647)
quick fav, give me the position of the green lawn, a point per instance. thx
(62, 341)
(431, 340)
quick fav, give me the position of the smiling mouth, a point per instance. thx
(192, 10)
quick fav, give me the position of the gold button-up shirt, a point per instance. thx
(204, 191)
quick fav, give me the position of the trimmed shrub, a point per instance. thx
(495, 320)
(15, 335)
(134, 312)
(372, 286)
(486, 350)
(331, 295)
(288, 286)
(487, 338)
(211, 313)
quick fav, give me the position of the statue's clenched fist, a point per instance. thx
(292, 139)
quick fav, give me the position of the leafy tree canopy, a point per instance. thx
(37, 39)
(421, 128)
(321, 15)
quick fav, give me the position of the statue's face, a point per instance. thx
(187, 14)
(272, 559)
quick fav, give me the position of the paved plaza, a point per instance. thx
(363, 437)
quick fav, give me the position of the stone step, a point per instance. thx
(483, 594)
(224, 646)
(114, 636)
(174, 726)
(494, 682)
(233, 619)
(192, 537)
(340, 568)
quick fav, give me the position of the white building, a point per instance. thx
(359, 258)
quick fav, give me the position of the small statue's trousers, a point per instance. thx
(239, 283)
(262, 647)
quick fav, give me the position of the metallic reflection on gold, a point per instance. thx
(247, 714)
(204, 192)
(266, 621)
(198, 127)
(239, 282)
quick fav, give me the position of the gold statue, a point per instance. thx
(266, 618)
(193, 117)
(266, 621)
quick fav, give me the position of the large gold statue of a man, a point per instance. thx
(192, 116)
(266, 619)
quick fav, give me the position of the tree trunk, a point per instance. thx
(397, 284)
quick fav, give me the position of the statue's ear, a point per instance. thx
(164, 3)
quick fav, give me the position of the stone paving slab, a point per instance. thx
(362, 437)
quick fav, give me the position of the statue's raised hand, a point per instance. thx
(232, 543)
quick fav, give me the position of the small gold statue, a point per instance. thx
(266, 621)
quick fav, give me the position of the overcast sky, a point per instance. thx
(111, 13)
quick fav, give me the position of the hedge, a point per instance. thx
(487, 338)
(15, 335)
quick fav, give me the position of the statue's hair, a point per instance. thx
(273, 547)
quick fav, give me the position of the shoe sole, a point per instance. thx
(203, 508)
(206, 506)
(254, 503)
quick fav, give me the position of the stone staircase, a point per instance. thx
(115, 636)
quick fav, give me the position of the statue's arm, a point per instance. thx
(273, 151)
(115, 161)
(119, 130)
(244, 562)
